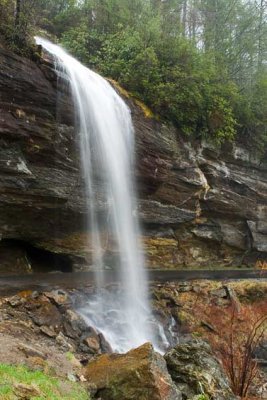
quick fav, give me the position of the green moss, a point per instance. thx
(50, 387)
(250, 291)
(183, 317)
(197, 334)
(202, 397)
(70, 356)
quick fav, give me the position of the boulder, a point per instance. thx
(90, 341)
(139, 374)
(47, 315)
(196, 371)
(58, 297)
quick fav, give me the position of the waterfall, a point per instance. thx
(106, 134)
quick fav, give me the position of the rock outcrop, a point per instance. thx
(52, 314)
(139, 374)
(199, 206)
(195, 371)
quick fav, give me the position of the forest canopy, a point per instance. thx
(200, 64)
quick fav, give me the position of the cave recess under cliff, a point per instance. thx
(19, 257)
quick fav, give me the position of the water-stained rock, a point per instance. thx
(90, 341)
(199, 206)
(74, 324)
(139, 374)
(196, 371)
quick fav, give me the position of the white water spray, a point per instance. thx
(107, 146)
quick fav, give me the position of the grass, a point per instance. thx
(50, 388)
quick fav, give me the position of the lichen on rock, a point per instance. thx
(139, 374)
(196, 371)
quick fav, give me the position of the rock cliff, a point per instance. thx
(199, 206)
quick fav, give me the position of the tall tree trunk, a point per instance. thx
(260, 33)
(17, 12)
(184, 17)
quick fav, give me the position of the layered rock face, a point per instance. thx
(40, 184)
(207, 207)
(199, 207)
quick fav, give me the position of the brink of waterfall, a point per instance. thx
(106, 136)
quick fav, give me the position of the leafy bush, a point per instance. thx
(173, 79)
(209, 83)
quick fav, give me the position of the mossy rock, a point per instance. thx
(195, 371)
(139, 374)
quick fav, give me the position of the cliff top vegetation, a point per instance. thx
(199, 64)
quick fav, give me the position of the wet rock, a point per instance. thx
(69, 331)
(73, 324)
(105, 346)
(90, 341)
(195, 370)
(199, 206)
(93, 344)
(138, 374)
(76, 321)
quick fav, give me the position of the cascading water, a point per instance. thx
(107, 145)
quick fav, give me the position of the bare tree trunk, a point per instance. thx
(17, 12)
(184, 17)
(192, 20)
(260, 33)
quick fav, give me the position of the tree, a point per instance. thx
(262, 32)
(17, 13)
(198, 63)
